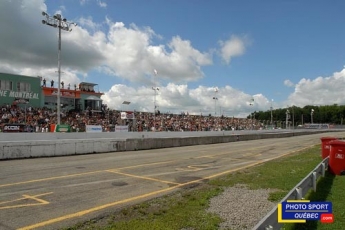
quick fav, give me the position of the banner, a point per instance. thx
(121, 128)
(94, 129)
(13, 128)
(299, 211)
(127, 115)
(15, 94)
(61, 128)
(316, 126)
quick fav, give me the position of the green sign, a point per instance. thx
(63, 128)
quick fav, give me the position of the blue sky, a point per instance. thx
(281, 53)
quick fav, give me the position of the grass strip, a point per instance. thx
(186, 209)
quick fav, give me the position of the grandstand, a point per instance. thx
(33, 100)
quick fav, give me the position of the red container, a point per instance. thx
(337, 157)
(325, 146)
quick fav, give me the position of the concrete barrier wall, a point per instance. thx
(61, 146)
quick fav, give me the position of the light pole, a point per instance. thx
(154, 106)
(251, 116)
(272, 114)
(311, 115)
(215, 105)
(62, 24)
(126, 103)
(341, 120)
(215, 98)
(154, 99)
(293, 117)
(287, 118)
(106, 108)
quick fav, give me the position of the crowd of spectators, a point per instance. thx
(40, 119)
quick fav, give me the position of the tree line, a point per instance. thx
(330, 114)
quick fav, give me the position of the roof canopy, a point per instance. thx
(87, 84)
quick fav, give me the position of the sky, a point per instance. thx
(219, 57)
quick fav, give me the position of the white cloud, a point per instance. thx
(28, 44)
(131, 55)
(102, 4)
(89, 23)
(124, 52)
(319, 91)
(63, 8)
(288, 83)
(83, 2)
(235, 46)
(176, 98)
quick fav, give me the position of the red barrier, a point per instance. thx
(325, 148)
(337, 157)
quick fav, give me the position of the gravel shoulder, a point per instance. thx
(240, 207)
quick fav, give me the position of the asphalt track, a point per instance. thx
(52, 193)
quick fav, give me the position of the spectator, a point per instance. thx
(41, 118)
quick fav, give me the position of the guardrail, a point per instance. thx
(270, 221)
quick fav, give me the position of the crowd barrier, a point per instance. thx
(14, 146)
